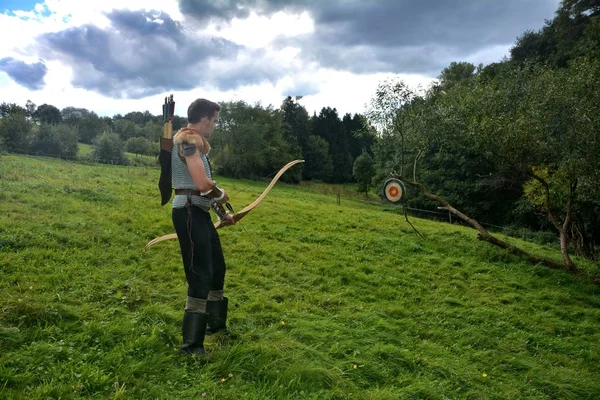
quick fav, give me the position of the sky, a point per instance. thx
(118, 56)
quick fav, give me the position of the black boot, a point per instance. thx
(217, 316)
(194, 329)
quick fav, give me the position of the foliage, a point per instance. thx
(108, 149)
(455, 73)
(47, 114)
(477, 136)
(363, 171)
(139, 145)
(319, 165)
(54, 140)
(14, 128)
(249, 142)
(327, 301)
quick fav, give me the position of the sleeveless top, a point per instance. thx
(182, 179)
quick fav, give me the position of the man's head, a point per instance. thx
(203, 115)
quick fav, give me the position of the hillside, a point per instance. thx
(328, 301)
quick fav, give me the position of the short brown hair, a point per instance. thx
(201, 108)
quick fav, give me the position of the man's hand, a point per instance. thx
(225, 198)
(229, 218)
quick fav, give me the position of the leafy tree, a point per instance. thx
(361, 136)
(318, 162)
(328, 126)
(296, 122)
(249, 142)
(138, 145)
(542, 119)
(67, 138)
(108, 149)
(7, 109)
(58, 140)
(572, 33)
(30, 108)
(47, 113)
(14, 128)
(384, 113)
(455, 73)
(363, 171)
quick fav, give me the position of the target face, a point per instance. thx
(394, 190)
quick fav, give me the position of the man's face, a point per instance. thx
(210, 124)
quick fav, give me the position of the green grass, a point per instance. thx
(328, 301)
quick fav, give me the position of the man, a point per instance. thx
(195, 194)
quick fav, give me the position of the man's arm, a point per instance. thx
(205, 185)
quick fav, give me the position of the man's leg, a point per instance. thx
(194, 241)
(217, 304)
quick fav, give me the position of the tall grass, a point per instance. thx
(327, 301)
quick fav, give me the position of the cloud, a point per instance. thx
(401, 36)
(146, 52)
(301, 88)
(30, 76)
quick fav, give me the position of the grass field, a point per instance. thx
(327, 301)
(85, 151)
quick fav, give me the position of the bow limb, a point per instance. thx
(160, 239)
(240, 214)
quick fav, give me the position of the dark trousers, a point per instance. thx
(201, 250)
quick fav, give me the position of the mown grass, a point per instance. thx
(327, 301)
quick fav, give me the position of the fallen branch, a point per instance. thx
(486, 236)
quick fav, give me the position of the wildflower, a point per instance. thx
(222, 380)
(484, 375)
(282, 323)
(354, 366)
(230, 375)
(203, 394)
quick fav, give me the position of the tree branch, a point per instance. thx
(486, 236)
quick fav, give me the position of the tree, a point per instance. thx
(296, 122)
(57, 140)
(48, 114)
(544, 122)
(30, 108)
(138, 145)
(455, 73)
(249, 142)
(384, 112)
(108, 149)
(14, 128)
(318, 162)
(328, 126)
(363, 171)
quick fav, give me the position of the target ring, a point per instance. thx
(394, 190)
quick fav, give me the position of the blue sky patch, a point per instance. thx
(25, 5)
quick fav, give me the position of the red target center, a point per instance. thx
(393, 191)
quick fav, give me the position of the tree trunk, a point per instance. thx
(566, 227)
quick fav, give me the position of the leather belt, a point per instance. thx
(188, 191)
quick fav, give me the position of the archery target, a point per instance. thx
(393, 190)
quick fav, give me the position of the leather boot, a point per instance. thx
(217, 316)
(193, 329)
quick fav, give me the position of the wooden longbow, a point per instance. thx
(238, 215)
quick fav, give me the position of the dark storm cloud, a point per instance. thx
(144, 53)
(396, 35)
(30, 76)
